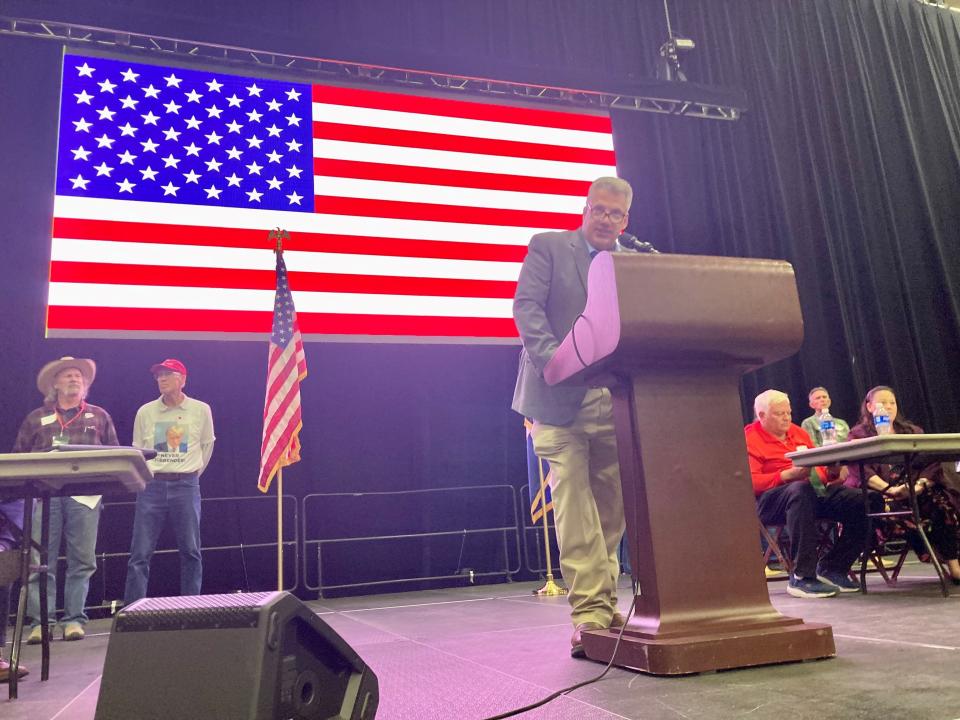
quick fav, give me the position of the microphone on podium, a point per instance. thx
(632, 242)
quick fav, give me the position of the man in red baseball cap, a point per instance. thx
(176, 469)
(174, 366)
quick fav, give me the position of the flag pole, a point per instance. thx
(550, 587)
(282, 418)
(280, 528)
(278, 235)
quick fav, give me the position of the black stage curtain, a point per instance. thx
(847, 164)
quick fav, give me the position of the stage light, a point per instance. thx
(668, 64)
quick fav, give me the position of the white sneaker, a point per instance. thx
(34, 638)
(73, 631)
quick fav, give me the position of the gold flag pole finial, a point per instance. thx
(278, 235)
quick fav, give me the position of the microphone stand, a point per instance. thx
(632, 242)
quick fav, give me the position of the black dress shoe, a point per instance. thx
(576, 643)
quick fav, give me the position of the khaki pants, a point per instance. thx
(588, 505)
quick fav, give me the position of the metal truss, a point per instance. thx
(665, 98)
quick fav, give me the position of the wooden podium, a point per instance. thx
(671, 336)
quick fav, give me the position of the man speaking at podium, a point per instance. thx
(573, 425)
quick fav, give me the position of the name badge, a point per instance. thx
(48, 419)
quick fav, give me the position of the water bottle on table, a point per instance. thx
(881, 420)
(828, 428)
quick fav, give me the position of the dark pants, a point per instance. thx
(624, 554)
(11, 523)
(943, 531)
(798, 506)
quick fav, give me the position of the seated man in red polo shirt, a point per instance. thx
(799, 497)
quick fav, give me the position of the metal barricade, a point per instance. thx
(116, 524)
(341, 515)
(532, 535)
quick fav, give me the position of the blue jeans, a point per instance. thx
(77, 525)
(180, 499)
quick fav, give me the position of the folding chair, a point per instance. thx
(891, 539)
(779, 545)
(773, 540)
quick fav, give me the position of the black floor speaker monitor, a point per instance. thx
(249, 656)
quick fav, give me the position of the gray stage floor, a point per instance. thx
(474, 652)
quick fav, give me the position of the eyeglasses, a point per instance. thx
(598, 212)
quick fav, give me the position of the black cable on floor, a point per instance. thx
(565, 691)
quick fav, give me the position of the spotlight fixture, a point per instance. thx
(668, 64)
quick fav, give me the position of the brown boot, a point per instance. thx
(576, 643)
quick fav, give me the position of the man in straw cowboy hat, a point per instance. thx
(66, 418)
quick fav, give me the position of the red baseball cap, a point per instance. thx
(171, 365)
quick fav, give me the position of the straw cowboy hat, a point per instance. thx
(48, 373)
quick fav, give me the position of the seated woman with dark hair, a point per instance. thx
(938, 503)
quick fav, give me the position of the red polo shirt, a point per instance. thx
(767, 455)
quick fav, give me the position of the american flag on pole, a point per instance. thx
(286, 367)
(537, 468)
(410, 214)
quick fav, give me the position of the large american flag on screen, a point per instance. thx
(409, 215)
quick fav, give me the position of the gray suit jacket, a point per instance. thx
(551, 293)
